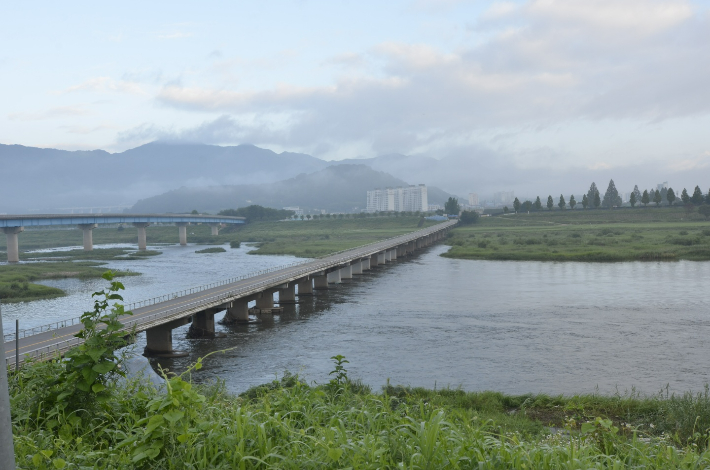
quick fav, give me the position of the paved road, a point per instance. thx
(186, 303)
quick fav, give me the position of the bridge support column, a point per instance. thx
(203, 324)
(346, 272)
(182, 232)
(320, 282)
(142, 240)
(374, 259)
(381, 259)
(215, 229)
(265, 300)
(365, 264)
(305, 287)
(159, 340)
(238, 312)
(356, 267)
(334, 277)
(287, 295)
(393, 254)
(88, 235)
(13, 247)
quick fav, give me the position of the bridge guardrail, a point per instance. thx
(174, 295)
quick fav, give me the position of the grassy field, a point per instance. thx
(593, 235)
(288, 424)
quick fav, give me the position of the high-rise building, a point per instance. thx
(411, 199)
(503, 197)
(472, 199)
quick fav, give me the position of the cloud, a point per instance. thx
(175, 35)
(58, 112)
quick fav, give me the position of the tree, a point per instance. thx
(505, 209)
(538, 204)
(704, 210)
(611, 197)
(308, 216)
(527, 206)
(657, 198)
(550, 203)
(670, 196)
(645, 198)
(585, 201)
(632, 199)
(516, 205)
(590, 194)
(684, 196)
(597, 200)
(572, 202)
(468, 217)
(637, 193)
(697, 197)
(452, 206)
(562, 202)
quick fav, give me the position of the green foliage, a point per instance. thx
(704, 210)
(452, 207)
(572, 202)
(516, 205)
(645, 198)
(550, 203)
(632, 199)
(340, 373)
(218, 249)
(585, 201)
(469, 217)
(256, 212)
(684, 196)
(562, 202)
(611, 196)
(537, 205)
(697, 197)
(657, 198)
(670, 196)
(235, 244)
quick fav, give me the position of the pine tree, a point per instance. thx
(562, 202)
(684, 196)
(611, 197)
(550, 202)
(657, 198)
(538, 204)
(637, 193)
(597, 200)
(585, 201)
(572, 202)
(590, 194)
(645, 199)
(516, 205)
(632, 199)
(697, 197)
(670, 196)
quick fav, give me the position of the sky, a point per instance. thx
(564, 85)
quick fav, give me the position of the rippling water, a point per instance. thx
(429, 321)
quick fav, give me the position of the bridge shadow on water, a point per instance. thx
(237, 342)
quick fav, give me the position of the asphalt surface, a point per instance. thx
(48, 343)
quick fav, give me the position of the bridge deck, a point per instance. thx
(61, 339)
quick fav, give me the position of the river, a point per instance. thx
(514, 327)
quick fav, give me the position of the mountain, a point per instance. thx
(34, 179)
(336, 188)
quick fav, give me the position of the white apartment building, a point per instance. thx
(472, 199)
(503, 197)
(410, 199)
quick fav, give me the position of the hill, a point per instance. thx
(337, 188)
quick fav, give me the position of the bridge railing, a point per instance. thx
(175, 295)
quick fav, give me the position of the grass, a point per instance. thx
(649, 234)
(288, 424)
(212, 250)
(16, 281)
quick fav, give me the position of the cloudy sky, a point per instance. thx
(559, 84)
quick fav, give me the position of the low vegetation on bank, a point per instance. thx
(586, 235)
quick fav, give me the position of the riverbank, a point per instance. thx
(343, 424)
(643, 234)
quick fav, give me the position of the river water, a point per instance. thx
(515, 327)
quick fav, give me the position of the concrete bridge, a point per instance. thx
(160, 315)
(12, 225)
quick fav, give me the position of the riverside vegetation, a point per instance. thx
(83, 412)
(641, 234)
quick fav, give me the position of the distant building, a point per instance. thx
(435, 207)
(503, 197)
(661, 186)
(472, 199)
(297, 210)
(410, 199)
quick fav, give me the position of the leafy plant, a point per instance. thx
(340, 372)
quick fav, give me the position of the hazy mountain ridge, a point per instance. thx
(337, 188)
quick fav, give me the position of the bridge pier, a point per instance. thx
(202, 325)
(159, 340)
(13, 247)
(288, 295)
(334, 277)
(305, 287)
(215, 229)
(88, 235)
(265, 300)
(142, 239)
(182, 232)
(373, 259)
(346, 272)
(365, 264)
(381, 259)
(356, 267)
(320, 282)
(237, 312)
(393, 253)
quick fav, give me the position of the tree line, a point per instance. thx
(593, 199)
